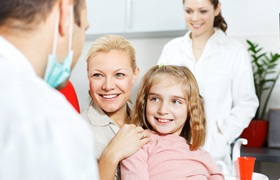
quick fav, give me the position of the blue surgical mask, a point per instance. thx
(57, 73)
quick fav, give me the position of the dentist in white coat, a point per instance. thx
(41, 135)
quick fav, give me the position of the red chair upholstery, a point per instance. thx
(69, 92)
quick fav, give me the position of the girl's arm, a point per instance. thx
(135, 166)
(126, 142)
(214, 172)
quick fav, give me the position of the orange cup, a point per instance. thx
(246, 167)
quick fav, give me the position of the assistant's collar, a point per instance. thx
(219, 37)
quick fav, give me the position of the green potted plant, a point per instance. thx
(265, 74)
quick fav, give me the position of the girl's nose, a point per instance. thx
(163, 108)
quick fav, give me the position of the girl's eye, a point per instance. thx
(176, 101)
(154, 99)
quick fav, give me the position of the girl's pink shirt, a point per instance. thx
(168, 157)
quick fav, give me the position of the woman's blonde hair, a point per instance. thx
(194, 130)
(109, 42)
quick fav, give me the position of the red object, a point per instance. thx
(70, 93)
(256, 133)
(246, 167)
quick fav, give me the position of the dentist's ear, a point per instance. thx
(64, 18)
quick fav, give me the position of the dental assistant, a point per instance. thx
(223, 70)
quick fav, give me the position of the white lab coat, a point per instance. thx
(41, 135)
(224, 75)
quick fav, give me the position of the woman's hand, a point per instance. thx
(126, 142)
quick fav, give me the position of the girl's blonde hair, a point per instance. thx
(112, 42)
(194, 130)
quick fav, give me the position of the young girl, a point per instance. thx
(169, 106)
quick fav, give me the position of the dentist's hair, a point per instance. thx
(79, 5)
(32, 11)
(194, 130)
(27, 11)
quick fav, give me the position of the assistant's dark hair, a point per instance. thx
(26, 11)
(219, 21)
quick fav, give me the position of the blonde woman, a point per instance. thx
(112, 73)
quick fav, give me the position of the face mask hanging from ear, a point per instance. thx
(57, 73)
